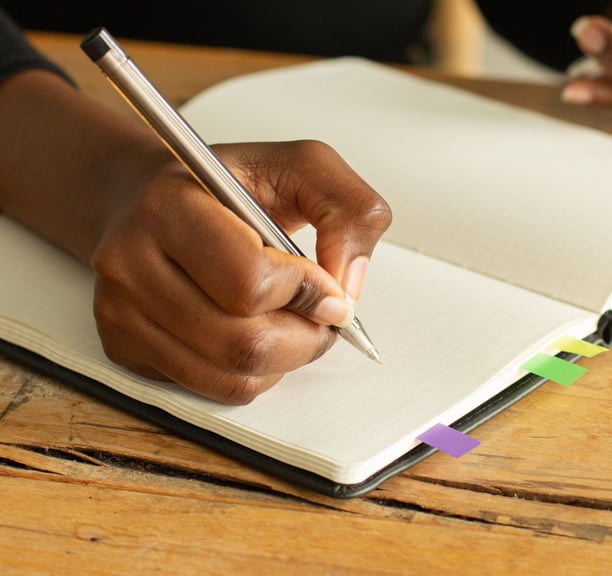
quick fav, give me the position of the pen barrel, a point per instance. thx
(186, 145)
(189, 148)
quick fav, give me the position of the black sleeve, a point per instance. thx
(17, 54)
(541, 29)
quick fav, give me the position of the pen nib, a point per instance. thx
(374, 355)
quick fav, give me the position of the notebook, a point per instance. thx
(499, 247)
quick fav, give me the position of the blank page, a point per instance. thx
(497, 189)
(449, 339)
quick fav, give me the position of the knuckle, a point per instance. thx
(306, 297)
(114, 326)
(105, 313)
(248, 299)
(374, 213)
(248, 296)
(377, 216)
(315, 149)
(326, 341)
(109, 328)
(103, 263)
(240, 391)
(252, 354)
(115, 353)
(107, 263)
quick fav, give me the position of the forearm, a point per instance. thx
(65, 159)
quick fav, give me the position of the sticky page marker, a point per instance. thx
(553, 368)
(576, 346)
(448, 440)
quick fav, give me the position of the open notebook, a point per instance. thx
(499, 246)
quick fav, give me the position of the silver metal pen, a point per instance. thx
(196, 155)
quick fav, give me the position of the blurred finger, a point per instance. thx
(586, 67)
(584, 92)
(593, 34)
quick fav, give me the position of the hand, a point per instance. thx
(590, 80)
(186, 291)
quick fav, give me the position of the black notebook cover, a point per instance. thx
(265, 463)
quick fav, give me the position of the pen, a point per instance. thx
(197, 156)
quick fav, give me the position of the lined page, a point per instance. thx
(503, 191)
(449, 339)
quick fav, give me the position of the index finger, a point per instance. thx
(307, 181)
(593, 34)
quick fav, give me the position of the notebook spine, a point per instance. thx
(604, 327)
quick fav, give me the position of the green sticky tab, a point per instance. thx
(553, 368)
(576, 346)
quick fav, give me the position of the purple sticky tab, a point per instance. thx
(448, 440)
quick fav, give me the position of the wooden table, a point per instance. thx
(87, 489)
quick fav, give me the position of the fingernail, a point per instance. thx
(334, 311)
(591, 38)
(586, 67)
(579, 25)
(577, 95)
(354, 277)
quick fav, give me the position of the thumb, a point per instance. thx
(319, 297)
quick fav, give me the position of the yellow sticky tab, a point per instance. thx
(576, 346)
